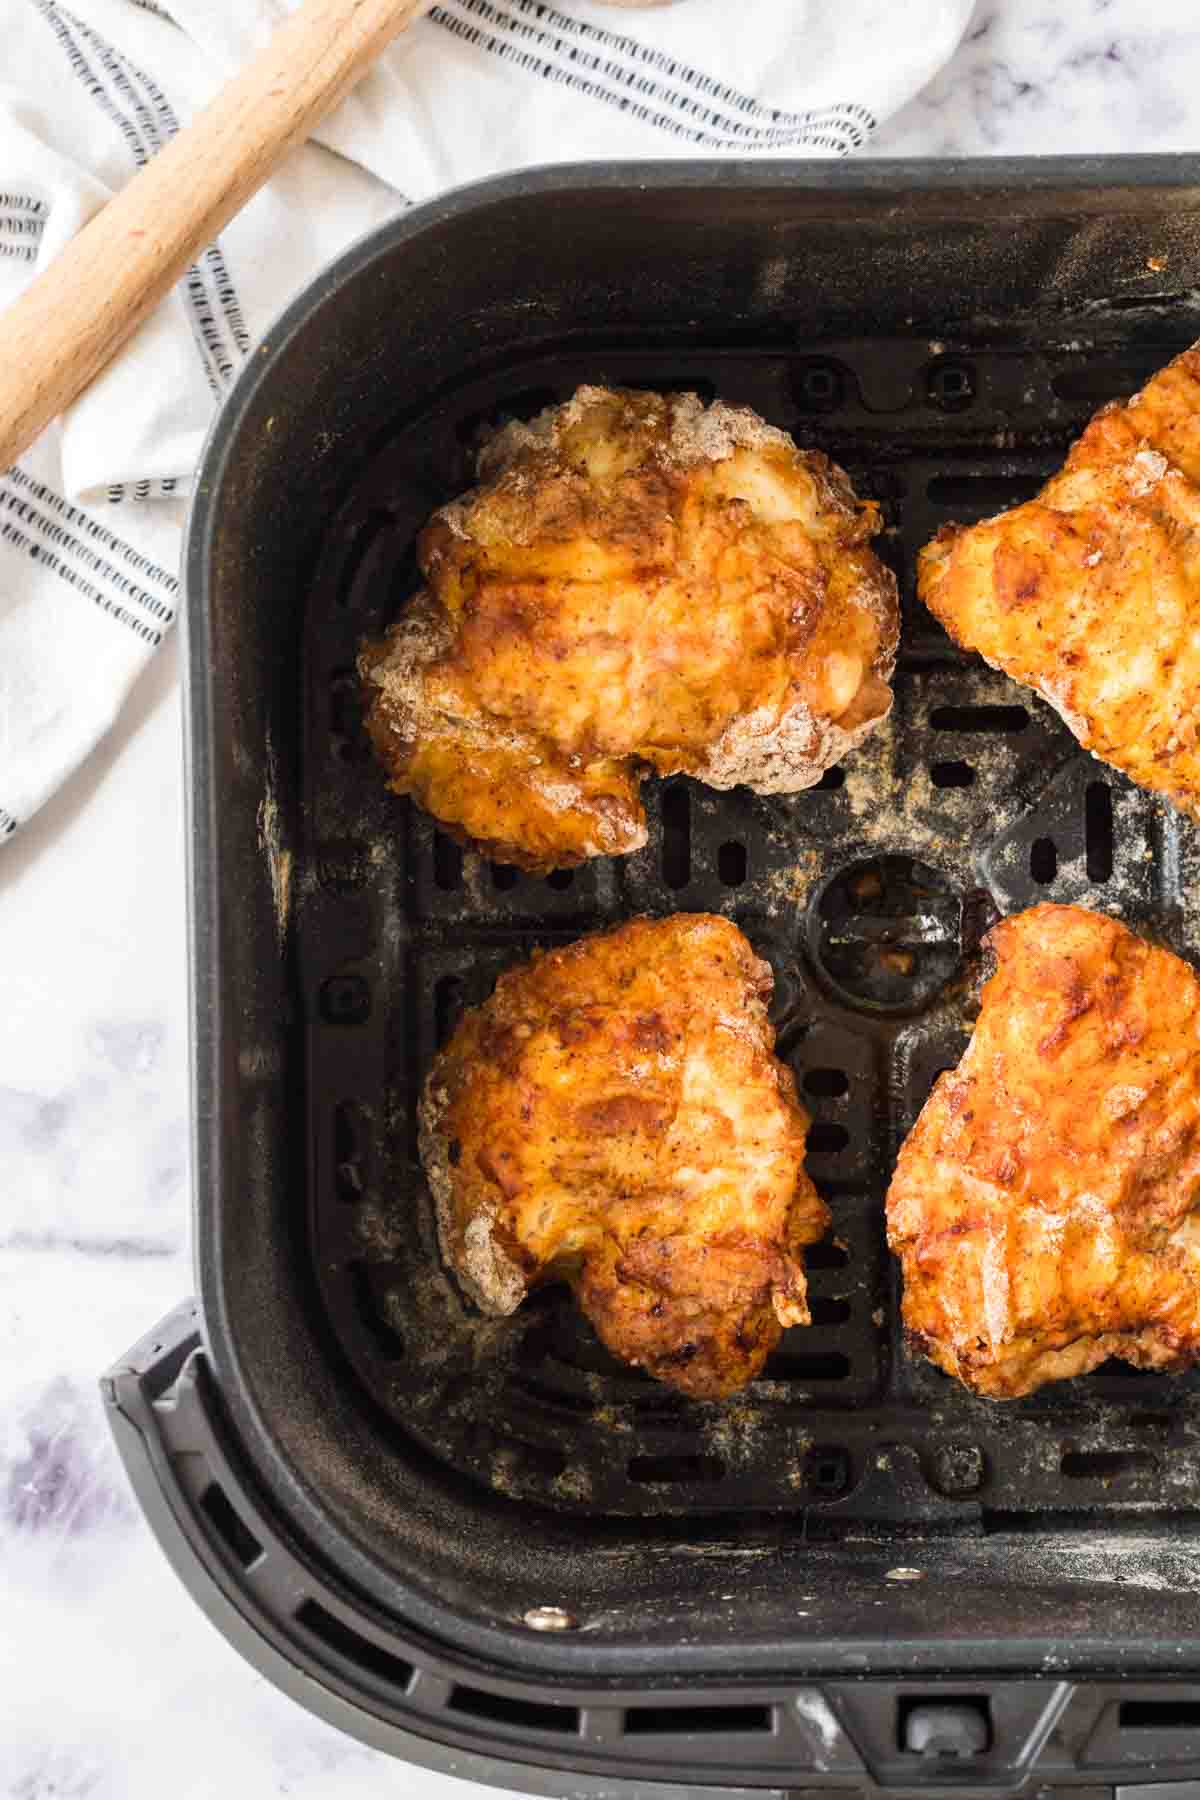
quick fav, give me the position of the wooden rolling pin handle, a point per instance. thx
(67, 325)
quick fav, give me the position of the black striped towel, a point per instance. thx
(90, 520)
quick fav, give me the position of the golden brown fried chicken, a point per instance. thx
(1091, 593)
(639, 583)
(614, 1116)
(1044, 1205)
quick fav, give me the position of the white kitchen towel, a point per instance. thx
(90, 520)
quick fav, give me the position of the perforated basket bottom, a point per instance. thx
(867, 894)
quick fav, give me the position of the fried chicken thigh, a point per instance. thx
(638, 583)
(614, 1116)
(1044, 1205)
(1090, 594)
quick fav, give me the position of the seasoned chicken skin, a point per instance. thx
(638, 583)
(614, 1116)
(1044, 1205)
(1090, 594)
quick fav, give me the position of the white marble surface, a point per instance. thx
(112, 1684)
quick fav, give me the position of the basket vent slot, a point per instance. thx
(1098, 830)
(1043, 860)
(808, 1365)
(825, 1138)
(983, 493)
(1159, 1715)
(831, 780)
(676, 836)
(827, 1311)
(229, 1526)
(351, 1644)
(686, 1721)
(732, 863)
(676, 1468)
(1102, 1465)
(979, 718)
(826, 1084)
(952, 775)
(827, 1255)
(506, 1709)
(447, 863)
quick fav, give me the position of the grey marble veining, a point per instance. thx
(113, 1685)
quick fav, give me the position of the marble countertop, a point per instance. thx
(114, 1686)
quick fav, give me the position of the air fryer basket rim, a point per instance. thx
(1109, 184)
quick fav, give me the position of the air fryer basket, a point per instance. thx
(942, 332)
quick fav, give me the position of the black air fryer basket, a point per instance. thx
(484, 1544)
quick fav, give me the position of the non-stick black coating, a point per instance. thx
(928, 325)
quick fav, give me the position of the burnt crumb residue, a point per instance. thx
(971, 777)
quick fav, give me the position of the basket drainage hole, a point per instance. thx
(831, 780)
(952, 775)
(508, 1709)
(229, 1526)
(1043, 860)
(826, 1084)
(825, 1138)
(885, 933)
(676, 835)
(1104, 1465)
(827, 1311)
(808, 1365)
(731, 864)
(979, 493)
(335, 1634)
(685, 1721)
(979, 718)
(560, 880)
(504, 877)
(447, 863)
(951, 385)
(828, 1472)
(1158, 1715)
(676, 1468)
(1098, 830)
(826, 1256)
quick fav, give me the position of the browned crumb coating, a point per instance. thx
(614, 1116)
(638, 583)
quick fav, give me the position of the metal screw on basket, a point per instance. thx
(548, 1618)
(904, 1574)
